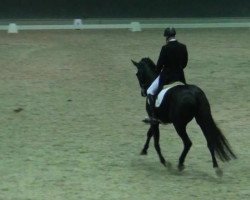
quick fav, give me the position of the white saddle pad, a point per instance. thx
(164, 91)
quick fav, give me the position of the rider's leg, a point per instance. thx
(151, 97)
(153, 89)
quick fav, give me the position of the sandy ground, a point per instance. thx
(80, 132)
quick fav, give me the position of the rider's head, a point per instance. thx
(169, 33)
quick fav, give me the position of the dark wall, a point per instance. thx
(33, 9)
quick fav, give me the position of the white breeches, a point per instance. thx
(154, 86)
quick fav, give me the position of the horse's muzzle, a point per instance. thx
(143, 92)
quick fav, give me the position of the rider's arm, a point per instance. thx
(185, 58)
(161, 60)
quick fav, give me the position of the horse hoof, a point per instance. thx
(181, 168)
(168, 165)
(144, 153)
(218, 172)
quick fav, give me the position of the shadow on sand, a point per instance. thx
(157, 170)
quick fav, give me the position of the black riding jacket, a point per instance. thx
(172, 60)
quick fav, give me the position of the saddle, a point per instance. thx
(162, 93)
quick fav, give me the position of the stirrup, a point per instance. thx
(154, 120)
(146, 120)
(151, 120)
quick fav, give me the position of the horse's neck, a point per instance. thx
(152, 76)
(151, 73)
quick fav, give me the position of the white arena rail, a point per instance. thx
(131, 24)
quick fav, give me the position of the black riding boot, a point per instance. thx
(151, 99)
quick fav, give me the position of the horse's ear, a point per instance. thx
(135, 63)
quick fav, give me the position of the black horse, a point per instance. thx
(180, 105)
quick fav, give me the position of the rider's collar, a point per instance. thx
(172, 39)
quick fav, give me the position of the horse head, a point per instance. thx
(146, 73)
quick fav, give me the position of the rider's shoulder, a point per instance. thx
(181, 43)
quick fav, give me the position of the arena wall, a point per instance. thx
(67, 9)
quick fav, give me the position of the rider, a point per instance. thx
(172, 60)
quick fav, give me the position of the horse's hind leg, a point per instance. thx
(156, 134)
(210, 147)
(146, 145)
(181, 130)
(204, 127)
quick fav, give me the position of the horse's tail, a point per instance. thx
(213, 134)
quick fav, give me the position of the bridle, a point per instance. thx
(143, 86)
(143, 81)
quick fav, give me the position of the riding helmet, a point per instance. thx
(169, 32)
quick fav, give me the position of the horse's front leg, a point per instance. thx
(156, 134)
(146, 145)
